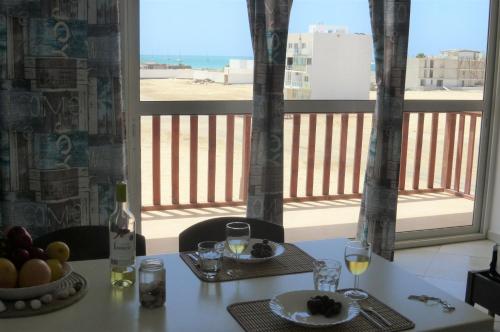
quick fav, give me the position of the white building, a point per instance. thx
(328, 63)
(449, 69)
(239, 71)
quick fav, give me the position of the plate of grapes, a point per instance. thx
(255, 251)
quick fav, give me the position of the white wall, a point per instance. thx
(412, 76)
(166, 73)
(340, 66)
(216, 76)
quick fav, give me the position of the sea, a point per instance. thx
(195, 61)
(214, 62)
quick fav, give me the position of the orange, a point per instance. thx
(58, 250)
(34, 272)
(8, 274)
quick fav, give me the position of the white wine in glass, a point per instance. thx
(357, 264)
(237, 240)
(357, 257)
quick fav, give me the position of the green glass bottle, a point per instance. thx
(122, 241)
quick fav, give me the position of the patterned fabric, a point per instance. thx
(269, 29)
(61, 116)
(377, 221)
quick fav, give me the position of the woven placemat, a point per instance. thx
(293, 260)
(56, 304)
(256, 316)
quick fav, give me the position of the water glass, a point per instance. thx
(326, 274)
(210, 254)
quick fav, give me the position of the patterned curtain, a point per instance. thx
(377, 221)
(269, 29)
(61, 135)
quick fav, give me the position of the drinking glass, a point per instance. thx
(237, 240)
(326, 274)
(357, 257)
(210, 253)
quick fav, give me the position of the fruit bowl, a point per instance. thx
(35, 291)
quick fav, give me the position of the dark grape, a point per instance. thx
(323, 305)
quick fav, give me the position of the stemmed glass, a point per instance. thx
(237, 240)
(357, 257)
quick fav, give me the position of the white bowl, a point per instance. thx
(25, 293)
(292, 306)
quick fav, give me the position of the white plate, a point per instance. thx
(35, 291)
(292, 306)
(246, 256)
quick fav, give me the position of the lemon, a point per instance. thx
(56, 268)
(58, 250)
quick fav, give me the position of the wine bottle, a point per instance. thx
(122, 241)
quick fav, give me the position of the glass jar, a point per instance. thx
(152, 283)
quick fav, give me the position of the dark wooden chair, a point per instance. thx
(86, 242)
(215, 230)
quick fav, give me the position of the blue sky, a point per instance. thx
(220, 27)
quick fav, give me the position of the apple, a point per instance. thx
(14, 231)
(39, 253)
(19, 237)
(19, 256)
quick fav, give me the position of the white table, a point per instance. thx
(193, 305)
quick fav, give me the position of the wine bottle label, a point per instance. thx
(122, 249)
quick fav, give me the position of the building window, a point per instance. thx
(290, 45)
(303, 45)
(306, 78)
(422, 82)
(432, 63)
(289, 61)
(431, 72)
(296, 46)
(309, 61)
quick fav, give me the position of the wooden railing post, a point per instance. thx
(294, 167)
(449, 145)
(327, 161)
(229, 157)
(193, 159)
(343, 152)
(245, 169)
(470, 154)
(404, 151)
(175, 159)
(432, 150)
(418, 150)
(460, 148)
(212, 146)
(156, 161)
(358, 147)
(311, 149)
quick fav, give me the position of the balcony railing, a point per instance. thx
(438, 153)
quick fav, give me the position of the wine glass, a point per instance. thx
(237, 240)
(357, 257)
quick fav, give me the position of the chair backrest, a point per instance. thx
(86, 242)
(215, 230)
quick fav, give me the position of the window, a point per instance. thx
(217, 55)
